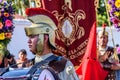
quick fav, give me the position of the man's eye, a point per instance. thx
(31, 36)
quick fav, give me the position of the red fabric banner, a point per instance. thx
(90, 68)
(75, 18)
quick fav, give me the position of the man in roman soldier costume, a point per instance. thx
(41, 43)
(106, 55)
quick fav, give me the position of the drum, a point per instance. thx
(15, 74)
(48, 74)
(41, 73)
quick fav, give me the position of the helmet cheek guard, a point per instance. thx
(43, 22)
(40, 43)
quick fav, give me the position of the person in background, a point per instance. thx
(117, 45)
(11, 61)
(22, 61)
(8, 60)
(118, 51)
(4, 62)
(106, 55)
(41, 43)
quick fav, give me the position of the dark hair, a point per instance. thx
(50, 46)
(23, 51)
(117, 45)
(9, 56)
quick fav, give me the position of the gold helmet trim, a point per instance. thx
(100, 33)
(43, 19)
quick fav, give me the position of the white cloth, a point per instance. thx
(43, 57)
(102, 50)
(67, 74)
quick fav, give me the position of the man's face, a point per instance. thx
(32, 43)
(102, 40)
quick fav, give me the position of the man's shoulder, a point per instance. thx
(59, 63)
(60, 60)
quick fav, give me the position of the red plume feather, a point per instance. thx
(41, 11)
(104, 25)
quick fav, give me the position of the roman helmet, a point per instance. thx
(103, 31)
(43, 22)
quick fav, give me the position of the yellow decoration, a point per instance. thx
(117, 13)
(117, 3)
(109, 7)
(2, 36)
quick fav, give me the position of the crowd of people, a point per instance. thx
(41, 42)
(10, 61)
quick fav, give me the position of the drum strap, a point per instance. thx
(37, 65)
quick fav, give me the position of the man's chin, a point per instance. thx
(34, 53)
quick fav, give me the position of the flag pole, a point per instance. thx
(109, 24)
(96, 9)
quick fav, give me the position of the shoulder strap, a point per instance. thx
(34, 67)
(58, 65)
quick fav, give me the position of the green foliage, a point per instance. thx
(101, 13)
(20, 6)
(5, 41)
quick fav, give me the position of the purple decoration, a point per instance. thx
(7, 14)
(1, 1)
(115, 19)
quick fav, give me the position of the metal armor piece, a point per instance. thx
(103, 32)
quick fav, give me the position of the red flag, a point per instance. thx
(90, 68)
(75, 18)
